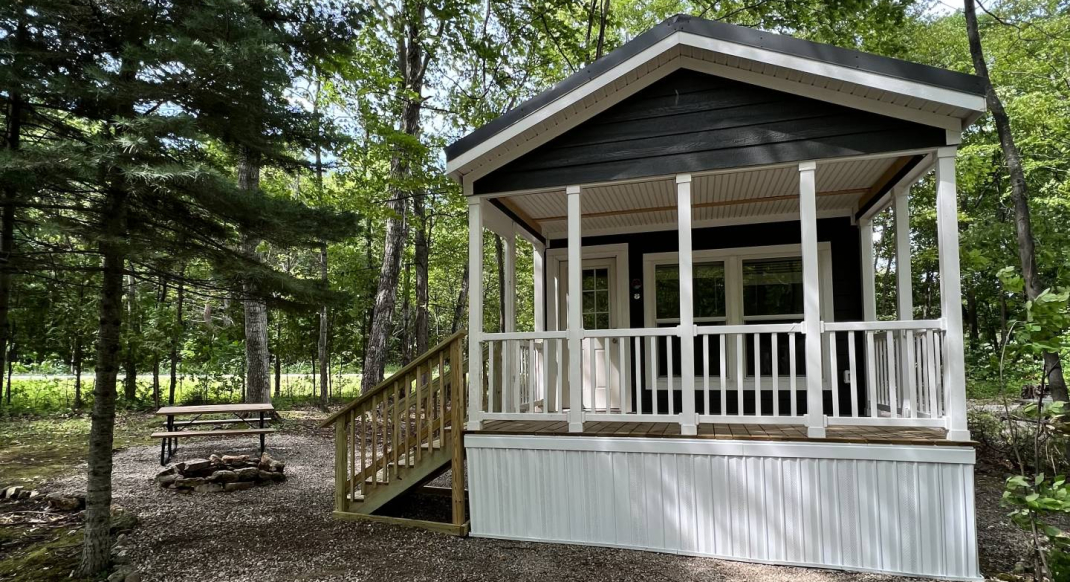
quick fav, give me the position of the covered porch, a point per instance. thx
(742, 296)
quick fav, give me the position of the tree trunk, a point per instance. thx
(130, 382)
(1019, 193)
(421, 254)
(96, 551)
(406, 317)
(78, 373)
(180, 297)
(12, 140)
(462, 300)
(411, 66)
(257, 355)
(278, 358)
(161, 297)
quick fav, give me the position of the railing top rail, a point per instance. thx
(751, 328)
(632, 332)
(913, 325)
(441, 346)
(523, 335)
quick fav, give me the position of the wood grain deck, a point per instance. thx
(751, 432)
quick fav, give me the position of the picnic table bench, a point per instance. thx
(179, 429)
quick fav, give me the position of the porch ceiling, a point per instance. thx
(767, 193)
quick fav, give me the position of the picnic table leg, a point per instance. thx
(163, 451)
(172, 443)
(261, 434)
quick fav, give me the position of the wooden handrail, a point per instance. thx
(441, 346)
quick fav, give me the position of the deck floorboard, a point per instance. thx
(723, 431)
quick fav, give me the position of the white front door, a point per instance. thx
(601, 377)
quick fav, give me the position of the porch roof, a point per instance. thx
(891, 87)
(850, 187)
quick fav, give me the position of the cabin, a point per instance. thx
(706, 374)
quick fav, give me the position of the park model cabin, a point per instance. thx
(707, 374)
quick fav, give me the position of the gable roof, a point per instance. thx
(939, 97)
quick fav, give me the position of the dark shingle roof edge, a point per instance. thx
(863, 61)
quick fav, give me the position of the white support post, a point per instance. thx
(475, 313)
(904, 289)
(815, 402)
(904, 296)
(510, 400)
(538, 267)
(575, 312)
(688, 416)
(869, 294)
(947, 233)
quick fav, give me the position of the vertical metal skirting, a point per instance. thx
(845, 506)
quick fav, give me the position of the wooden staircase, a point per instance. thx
(402, 434)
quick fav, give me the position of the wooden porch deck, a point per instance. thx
(751, 432)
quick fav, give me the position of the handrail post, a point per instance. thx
(456, 434)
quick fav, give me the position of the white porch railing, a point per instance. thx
(874, 373)
(902, 363)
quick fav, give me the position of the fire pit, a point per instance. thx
(221, 474)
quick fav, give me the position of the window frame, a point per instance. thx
(733, 266)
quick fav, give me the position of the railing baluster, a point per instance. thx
(514, 370)
(852, 373)
(910, 379)
(871, 375)
(559, 369)
(352, 421)
(653, 373)
(740, 371)
(493, 382)
(419, 411)
(669, 384)
(889, 352)
(636, 356)
(930, 367)
(706, 372)
(776, 372)
(363, 456)
(532, 376)
(622, 367)
(724, 375)
(834, 375)
(607, 356)
(792, 373)
(757, 374)
(376, 419)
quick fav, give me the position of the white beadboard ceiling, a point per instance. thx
(768, 192)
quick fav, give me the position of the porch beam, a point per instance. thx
(815, 403)
(575, 312)
(869, 296)
(947, 234)
(688, 417)
(904, 286)
(475, 313)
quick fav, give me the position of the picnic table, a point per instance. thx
(177, 429)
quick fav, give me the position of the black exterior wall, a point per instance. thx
(692, 122)
(845, 247)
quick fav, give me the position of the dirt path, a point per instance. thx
(285, 532)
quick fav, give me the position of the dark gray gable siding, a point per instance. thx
(691, 122)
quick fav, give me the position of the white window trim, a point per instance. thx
(733, 262)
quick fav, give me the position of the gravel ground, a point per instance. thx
(285, 532)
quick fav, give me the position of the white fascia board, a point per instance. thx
(831, 71)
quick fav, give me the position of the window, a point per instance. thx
(708, 300)
(761, 285)
(596, 298)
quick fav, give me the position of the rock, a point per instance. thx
(12, 492)
(120, 557)
(223, 476)
(215, 459)
(61, 502)
(238, 486)
(208, 488)
(265, 462)
(189, 482)
(133, 577)
(235, 460)
(247, 474)
(167, 480)
(120, 574)
(34, 494)
(270, 476)
(168, 471)
(277, 467)
(195, 466)
(24, 494)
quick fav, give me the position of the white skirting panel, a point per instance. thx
(897, 509)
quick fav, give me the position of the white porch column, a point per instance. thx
(510, 384)
(575, 312)
(538, 267)
(869, 295)
(815, 402)
(475, 313)
(947, 230)
(904, 296)
(904, 289)
(688, 418)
